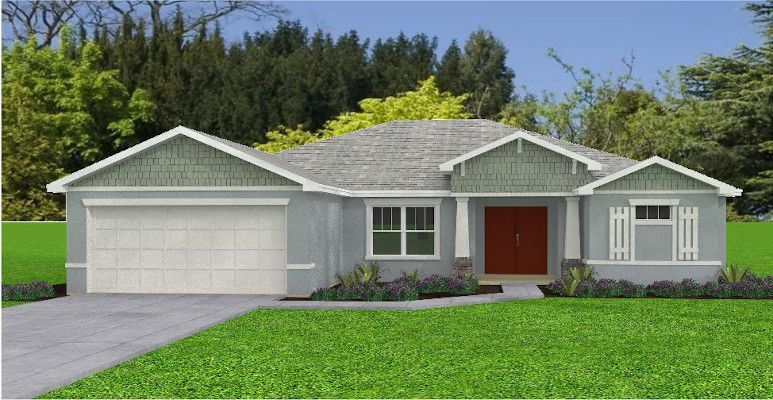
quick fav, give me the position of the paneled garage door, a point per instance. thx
(187, 249)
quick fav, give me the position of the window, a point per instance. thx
(386, 230)
(420, 230)
(402, 229)
(653, 212)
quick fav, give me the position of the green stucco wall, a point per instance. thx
(504, 170)
(182, 161)
(655, 177)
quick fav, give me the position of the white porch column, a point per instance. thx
(462, 246)
(572, 229)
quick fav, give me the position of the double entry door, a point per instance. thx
(516, 240)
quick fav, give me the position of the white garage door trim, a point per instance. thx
(179, 247)
(185, 202)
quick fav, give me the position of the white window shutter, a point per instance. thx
(687, 231)
(619, 233)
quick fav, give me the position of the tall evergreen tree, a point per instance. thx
(449, 72)
(398, 63)
(485, 75)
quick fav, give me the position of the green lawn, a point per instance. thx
(751, 244)
(34, 251)
(535, 348)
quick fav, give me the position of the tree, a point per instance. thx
(733, 123)
(398, 63)
(426, 102)
(480, 71)
(449, 72)
(485, 74)
(59, 114)
(44, 19)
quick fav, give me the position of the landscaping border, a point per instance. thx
(510, 292)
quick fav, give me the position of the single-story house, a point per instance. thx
(187, 212)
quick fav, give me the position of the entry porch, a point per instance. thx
(516, 239)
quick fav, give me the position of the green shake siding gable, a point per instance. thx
(504, 170)
(655, 177)
(182, 161)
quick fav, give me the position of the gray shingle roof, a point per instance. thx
(406, 155)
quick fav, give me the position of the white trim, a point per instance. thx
(402, 203)
(653, 263)
(723, 188)
(185, 202)
(60, 185)
(652, 221)
(653, 202)
(398, 193)
(75, 265)
(448, 166)
(672, 203)
(515, 194)
(185, 188)
(572, 228)
(462, 228)
(301, 266)
(574, 167)
(656, 192)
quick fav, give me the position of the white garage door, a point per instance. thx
(187, 249)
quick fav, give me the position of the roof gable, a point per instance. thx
(182, 162)
(521, 135)
(723, 189)
(262, 161)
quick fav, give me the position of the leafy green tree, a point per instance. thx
(426, 102)
(732, 97)
(485, 74)
(59, 114)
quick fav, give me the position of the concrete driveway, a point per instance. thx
(51, 343)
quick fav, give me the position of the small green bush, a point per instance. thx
(28, 291)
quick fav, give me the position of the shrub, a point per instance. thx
(734, 273)
(401, 290)
(409, 278)
(362, 273)
(369, 272)
(669, 289)
(464, 284)
(750, 287)
(28, 291)
(630, 289)
(433, 284)
(569, 284)
(367, 291)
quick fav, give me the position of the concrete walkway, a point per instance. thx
(52, 343)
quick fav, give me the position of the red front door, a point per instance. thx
(516, 240)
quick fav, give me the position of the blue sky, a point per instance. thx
(595, 35)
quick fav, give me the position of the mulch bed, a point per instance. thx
(482, 289)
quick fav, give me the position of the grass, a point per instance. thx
(34, 252)
(11, 303)
(749, 243)
(536, 348)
